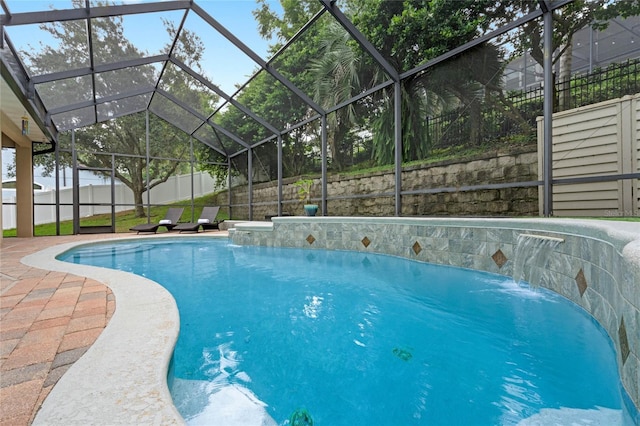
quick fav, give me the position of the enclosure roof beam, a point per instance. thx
(80, 72)
(544, 6)
(174, 42)
(92, 62)
(627, 28)
(210, 145)
(298, 34)
(103, 100)
(222, 94)
(360, 96)
(5, 8)
(256, 58)
(63, 15)
(202, 117)
(346, 23)
(301, 123)
(124, 114)
(287, 130)
(235, 154)
(265, 140)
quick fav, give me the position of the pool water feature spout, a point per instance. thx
(532, 257)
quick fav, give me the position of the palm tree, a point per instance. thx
(338, 78)
(336, 75)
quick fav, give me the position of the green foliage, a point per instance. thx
(304, 189)
(125, 135)
(408, 34)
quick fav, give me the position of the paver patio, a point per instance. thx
(48, 320)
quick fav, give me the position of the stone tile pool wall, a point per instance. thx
(597, 266)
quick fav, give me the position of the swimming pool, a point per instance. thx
(427, 344)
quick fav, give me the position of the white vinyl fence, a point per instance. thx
(177, 188)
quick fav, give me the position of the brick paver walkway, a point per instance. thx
(48, 320)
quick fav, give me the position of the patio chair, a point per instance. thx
(170, 221)
(207, 221)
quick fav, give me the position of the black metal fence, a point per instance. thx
(512, 116)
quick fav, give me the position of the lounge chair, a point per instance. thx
(170, 221)
(207, 221)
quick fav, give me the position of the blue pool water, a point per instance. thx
(288, 336)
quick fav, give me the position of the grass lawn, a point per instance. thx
(124, 220)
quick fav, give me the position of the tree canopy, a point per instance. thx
(126, 135)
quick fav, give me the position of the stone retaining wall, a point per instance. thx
(490, 168)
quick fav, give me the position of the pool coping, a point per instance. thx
(121, 379)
